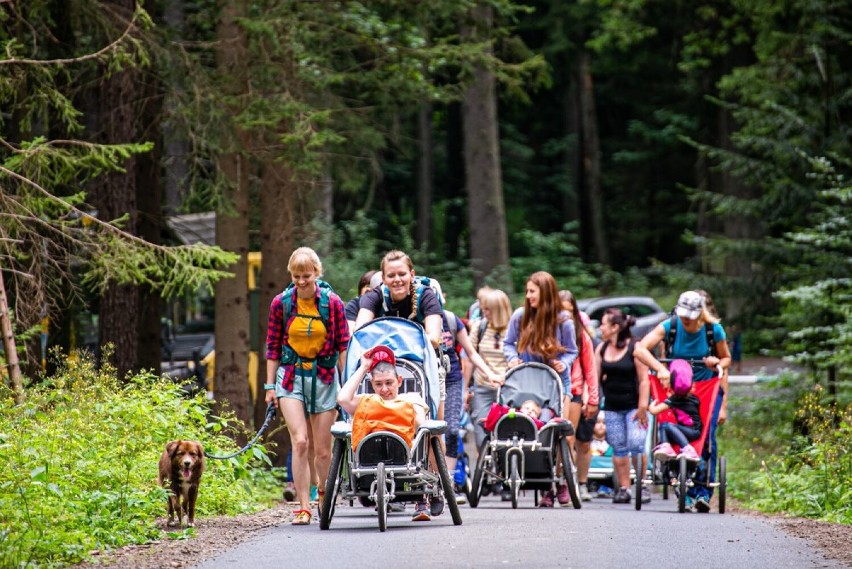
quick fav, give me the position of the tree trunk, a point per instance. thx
(280, 222)
(424, 175)
(232, 309)
(176, 149)
(11, 350)
(149, 196)
(591, 158)
(571, 197)
(489, 241)
(116, 196)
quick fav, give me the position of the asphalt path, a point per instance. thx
(601, 535)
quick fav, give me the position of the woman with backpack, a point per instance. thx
(542, 332)
(454, 335)
(693, 333)
(306, 338)
(624, 380)
(486, 338)
(583, 401)
(402, 296)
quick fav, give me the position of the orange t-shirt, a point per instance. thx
(375, 414)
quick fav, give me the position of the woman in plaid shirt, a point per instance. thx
(301, 353)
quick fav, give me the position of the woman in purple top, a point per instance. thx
(542, 332)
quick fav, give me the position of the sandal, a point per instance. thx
(302, 518)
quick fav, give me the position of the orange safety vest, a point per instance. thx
(375, 414)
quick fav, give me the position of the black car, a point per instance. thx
(647, 312)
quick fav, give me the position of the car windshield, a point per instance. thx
(637, 310)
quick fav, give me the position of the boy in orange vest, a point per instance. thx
(386, 409)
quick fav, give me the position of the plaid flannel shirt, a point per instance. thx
(336, 339)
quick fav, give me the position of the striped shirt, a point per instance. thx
(490, 347)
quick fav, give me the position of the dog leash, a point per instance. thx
(270, 413)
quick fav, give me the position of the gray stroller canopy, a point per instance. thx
(535, 381)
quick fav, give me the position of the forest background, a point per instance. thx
(625, 146)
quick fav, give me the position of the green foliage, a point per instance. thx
(78, 466)
(556, 253)
(50, 239)
(774, 467)
(817, 309)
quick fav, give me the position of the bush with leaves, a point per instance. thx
(78, 464)
(787, 450)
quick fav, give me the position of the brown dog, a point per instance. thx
(181, 467)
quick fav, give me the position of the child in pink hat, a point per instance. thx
(686, 409)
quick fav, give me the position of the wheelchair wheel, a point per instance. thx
(637, 483)
(681, 483)
(446, 481)
(514, 480)
(381, 496)
(569, 472)
(332, 483)
(723, 484)
(478, 476)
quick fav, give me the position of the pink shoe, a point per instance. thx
(546, 500)
(664, 452)
(562, 494)
(689, 453)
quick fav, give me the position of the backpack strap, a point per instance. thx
(483, 325)
(711, 344)
(453, 324)
(670, 338)
(324, 306)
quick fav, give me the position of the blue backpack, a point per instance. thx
(420, 284)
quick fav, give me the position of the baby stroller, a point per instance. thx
(521, 454)
(679, 472)
(384, 468)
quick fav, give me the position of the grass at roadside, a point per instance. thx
(78, 465)
(787, 449)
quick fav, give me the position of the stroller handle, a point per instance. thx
(692, 361)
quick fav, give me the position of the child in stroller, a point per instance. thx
(686, 408)
(522, 450)
(395, 404)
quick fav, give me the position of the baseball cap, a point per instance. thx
(681, 377)
(689, 305)
(380, 354)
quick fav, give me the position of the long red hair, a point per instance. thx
(538, 325)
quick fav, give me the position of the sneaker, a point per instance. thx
(505, 495)
(664, 452)
(437, 506)
(690, 504)
(290, 492)
(604, 491)
(396, 507)
(621, 496)
(461, 499)
(646, 495)
(562, 494)
(702, 504)
(546, 500)
(689, 453)
(584, 493)
(421, 512)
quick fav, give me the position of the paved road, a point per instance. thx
(600, 536)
